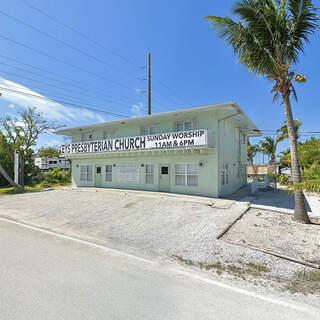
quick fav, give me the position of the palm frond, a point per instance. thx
(303, 23)
(308, 186)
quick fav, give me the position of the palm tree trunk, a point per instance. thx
(300, 211)
(7, 177)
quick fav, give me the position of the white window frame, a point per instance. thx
(183, 122)
(186, 174)
(225, 174)
(148, 129)
(87, 173)
(149, 173)
(108, 173)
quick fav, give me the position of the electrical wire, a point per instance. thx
(63, 102)
(84, 85)
(98, 44)
(68, 45)
(60, 88)
(64, 62)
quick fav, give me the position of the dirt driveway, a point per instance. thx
(147, 224)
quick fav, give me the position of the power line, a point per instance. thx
(86, 85)
(68, 45)
(98, 44)
(60, 88)
(64, 62)
(276, 131)
(63, 102)
(53, 95)
(78, 32)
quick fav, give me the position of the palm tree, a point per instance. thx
(253, 149)
(269, 147)
(285, 158)
(284, 131)
(268, 39)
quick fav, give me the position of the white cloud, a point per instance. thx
(137, 109)
(51, 110)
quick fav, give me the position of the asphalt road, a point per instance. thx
(43, 276)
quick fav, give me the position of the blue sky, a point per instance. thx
(190, 65)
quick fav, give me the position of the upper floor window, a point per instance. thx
(226, 128)
(184, 125)
(86, 137)
(148, 130)
(243, 138)
(236, 134)
(109, 134)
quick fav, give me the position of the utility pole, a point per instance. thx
(149, 83)
(16, 167)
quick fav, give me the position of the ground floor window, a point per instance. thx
(149, 174)
(109, 172)
(186, 174)
(225, 174)
(86, 173)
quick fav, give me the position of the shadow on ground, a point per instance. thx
(280, 198)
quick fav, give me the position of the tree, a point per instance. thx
(48, 152)
(19, 135)
(253, 149)
(285, 158)
(284, 131)
(269, 146)
(268, 40)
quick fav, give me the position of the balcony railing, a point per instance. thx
(171, 140)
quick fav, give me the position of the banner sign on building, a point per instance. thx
(185, 139)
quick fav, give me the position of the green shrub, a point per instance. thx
(284, 180)
(57, 176)
(311, 173)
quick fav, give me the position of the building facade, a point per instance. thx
(198, 151)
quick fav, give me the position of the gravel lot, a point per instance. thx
(278, 233)
(142, 223)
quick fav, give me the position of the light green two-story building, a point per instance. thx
(199, 151)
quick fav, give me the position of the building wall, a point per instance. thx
(225, 151)
(207, 179)
(233, 153)
(205, 120)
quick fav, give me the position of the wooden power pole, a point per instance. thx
(149, 83)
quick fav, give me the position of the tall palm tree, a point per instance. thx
(268, 39)
(284, 131)
(269, 147)
(253, 149)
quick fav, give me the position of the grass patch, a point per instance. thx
(37, 187)
(305, 283)
(245, 269)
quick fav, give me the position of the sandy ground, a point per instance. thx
(161, 226)
(277, 233)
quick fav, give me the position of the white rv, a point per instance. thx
(47, 164)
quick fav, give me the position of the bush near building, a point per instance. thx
(56, 176)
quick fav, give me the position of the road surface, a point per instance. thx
(43, 276)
